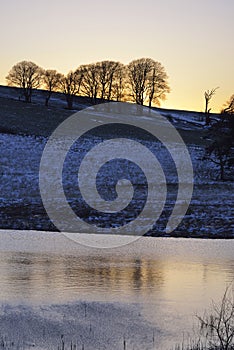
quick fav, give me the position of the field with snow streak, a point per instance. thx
(24, 130)
(209, 214)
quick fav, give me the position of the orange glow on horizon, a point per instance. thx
(191, 39)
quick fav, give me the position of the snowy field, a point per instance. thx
(210, 211)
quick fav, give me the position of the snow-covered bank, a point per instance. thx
(173, 249)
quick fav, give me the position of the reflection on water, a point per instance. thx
(170, 289)
(52, 278)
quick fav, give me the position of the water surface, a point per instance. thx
(170, 280)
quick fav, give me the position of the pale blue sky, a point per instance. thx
(192, 39)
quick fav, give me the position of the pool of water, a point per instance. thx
(170, 280)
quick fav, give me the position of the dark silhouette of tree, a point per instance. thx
(142, 81)
(106, 70)
(114, 74)
(26, 75)
(103, 77)
(218, 325)
(119, 83)
(229, 106)
(139, 72)
(158, 86)
(99, 79)
(51, 80)
(220, 151)
(208, 94)
(70, 85)
(215, 330)
(90, 86)
(148, 81)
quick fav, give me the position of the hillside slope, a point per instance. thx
(24, 130)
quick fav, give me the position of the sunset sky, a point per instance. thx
(193, 39)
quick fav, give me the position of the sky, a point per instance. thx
(193, 40)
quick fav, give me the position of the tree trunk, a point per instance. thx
(221, 171)
(47, 99)
(103, 93)
(207, 118)
(109, 92)
(69, 99)
(206, 108)
(27, 96)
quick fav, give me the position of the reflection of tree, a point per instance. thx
(19, 268)
(204, 272)
(137, 276)
(147, 275)
(36, 275)
(113, 274)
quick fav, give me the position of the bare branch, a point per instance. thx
(26, 75)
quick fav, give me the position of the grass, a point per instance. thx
(28, 118)
(18, 117)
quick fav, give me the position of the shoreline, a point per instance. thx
(34, 218)
(185, 235)
(48, 242)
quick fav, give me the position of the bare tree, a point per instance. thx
(158, 86)
(119, 83)
(51, 80)
(26, 75)
(98, 79)
(229, 106)
(113, 70)
(107, 71)
(90, 86)
(70, 86)
(139, 71)
(218, 326)
(208, 94)
(148, 81)
(103, 77)
(220, 150)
